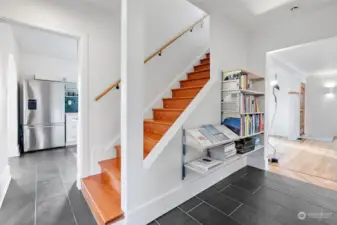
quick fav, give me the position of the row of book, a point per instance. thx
(251, 124)
(250, 104)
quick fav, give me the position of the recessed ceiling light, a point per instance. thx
(295, 8)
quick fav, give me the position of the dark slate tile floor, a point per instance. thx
(256, 197)
(43, 191)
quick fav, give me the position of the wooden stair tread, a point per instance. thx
(187, 88)
(194, 79)
(152, 136)
(168, 109)
(104, 201)
(177, 98)
(158, 121)
(203, 64)
(201, 71)
(112, 166)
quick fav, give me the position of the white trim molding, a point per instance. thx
(5, 179)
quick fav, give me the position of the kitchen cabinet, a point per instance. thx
(71, 128)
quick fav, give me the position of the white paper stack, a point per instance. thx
(223, 152)
(203, 164)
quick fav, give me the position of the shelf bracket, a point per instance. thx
(183, 173)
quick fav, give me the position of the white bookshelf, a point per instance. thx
(251, 92)
(232, 92)
(256, 88)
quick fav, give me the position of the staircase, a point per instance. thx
(103, 191)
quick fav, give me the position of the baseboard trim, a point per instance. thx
(5, 179)
(188, 189)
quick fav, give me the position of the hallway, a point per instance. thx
(43, 191)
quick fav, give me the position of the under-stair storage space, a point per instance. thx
(239, 134)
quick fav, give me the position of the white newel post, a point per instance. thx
(132, 64)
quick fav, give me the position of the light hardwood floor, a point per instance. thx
(307, 160)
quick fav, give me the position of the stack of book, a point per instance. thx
(251, 124)
(203, 165)
(250, 104)
(223, 152)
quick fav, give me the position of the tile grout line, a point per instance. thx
(65, 189)
(157, 222)
(35, 210)
(194, 207)
(219, 210)
(241, 204)
(224, 188)
(258, 190)
(189, 215)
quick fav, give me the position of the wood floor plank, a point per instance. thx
(310, 161)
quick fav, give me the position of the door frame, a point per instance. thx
(83, 142)
(302, 101)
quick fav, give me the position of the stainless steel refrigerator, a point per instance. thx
(42, 115)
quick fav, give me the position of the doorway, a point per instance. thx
(302, 109)
(46, 173)
(302, 135)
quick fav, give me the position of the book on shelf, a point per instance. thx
(250, 104)
(241, 76)
(222, 152)
(251, 124)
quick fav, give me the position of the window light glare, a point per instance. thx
(330, 85)
(330, 95)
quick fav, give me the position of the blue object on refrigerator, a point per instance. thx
(71, 104)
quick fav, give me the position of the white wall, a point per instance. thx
(47, 67)
(321, 110)
(7, 53)
(288, 80)
(291, 31)
(165, 19)
(160, 27)
(12, 99)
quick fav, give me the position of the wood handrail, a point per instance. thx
(112, 86)
(159, 51)
(173, 40)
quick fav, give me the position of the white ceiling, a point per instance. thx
(317, 58)
(40, 42)
(250, 13)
